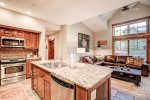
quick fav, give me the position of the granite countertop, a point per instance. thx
(32, 58)
(84, 75)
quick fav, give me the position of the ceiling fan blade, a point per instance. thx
(135, 9)
(132, 5)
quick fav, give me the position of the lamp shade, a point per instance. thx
(80, 50)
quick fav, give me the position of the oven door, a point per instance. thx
(12, 70)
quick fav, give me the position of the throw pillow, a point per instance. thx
(139, 62)
(89, 60)
(99, 58)
(121, 59)
(110, 58)
(94, 59)
(130, 60)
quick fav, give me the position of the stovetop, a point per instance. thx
(13, 60)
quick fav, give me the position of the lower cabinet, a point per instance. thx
(28, 66)
(41, 83)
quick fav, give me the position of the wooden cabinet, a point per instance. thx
(35, 41)
(8, 32)
(28, 40)
(1, 32)
(41, 82)
(28, 67)
(32, 40)
(47, 89)
(31, 37)
(19, 34)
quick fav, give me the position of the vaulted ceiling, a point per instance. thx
(100, 23)
(65, 11)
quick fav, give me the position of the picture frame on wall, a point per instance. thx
(101, 42)
(84, 41)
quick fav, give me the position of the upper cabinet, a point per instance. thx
(8, 32)
(19, 34)
(28, 40)
(32, 40)
(31, 37)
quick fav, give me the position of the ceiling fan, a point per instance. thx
(130, 7)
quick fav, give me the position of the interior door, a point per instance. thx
(51, 49)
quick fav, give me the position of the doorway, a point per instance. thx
(51, 49)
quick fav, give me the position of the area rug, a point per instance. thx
(13, 92)
(142, 91)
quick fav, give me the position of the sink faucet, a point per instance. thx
(61, 60)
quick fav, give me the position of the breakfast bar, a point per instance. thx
(89, 82)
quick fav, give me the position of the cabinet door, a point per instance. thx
(28, 40)
(40, 82)
(34, 78)
(1, 32)
(28, 69)
(47, 89)
(35, 41)
(8, 32)
(19, 34)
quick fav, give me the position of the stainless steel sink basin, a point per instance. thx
(54, 65)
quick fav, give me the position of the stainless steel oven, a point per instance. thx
(12, 70)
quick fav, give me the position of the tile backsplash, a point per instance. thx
(11, 53)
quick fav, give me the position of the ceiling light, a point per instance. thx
(28, 12)
(2, 4)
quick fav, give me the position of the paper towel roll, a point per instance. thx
(73, 60)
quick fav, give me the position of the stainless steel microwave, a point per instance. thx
(12, 42)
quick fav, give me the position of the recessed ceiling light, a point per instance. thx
(2, 4)
(28, 12)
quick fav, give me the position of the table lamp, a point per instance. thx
(81, 51)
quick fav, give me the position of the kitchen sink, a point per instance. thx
(54, 65)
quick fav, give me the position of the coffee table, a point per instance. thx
(131, 75)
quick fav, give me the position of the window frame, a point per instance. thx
(145, 35)
(128, 23)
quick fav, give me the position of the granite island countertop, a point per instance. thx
(84, 75)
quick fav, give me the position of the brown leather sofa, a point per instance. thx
(112, 60)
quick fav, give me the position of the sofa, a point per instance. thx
(120, 61)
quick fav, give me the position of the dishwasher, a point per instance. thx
(61, 90)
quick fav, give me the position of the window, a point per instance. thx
(138, 48)
(121, 48)
(138, 28)
(131, 28)
(129, 40)
(121, 30)
(135, 47)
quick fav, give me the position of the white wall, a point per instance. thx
(117, 18)
(11, 18)
(66, 40)
(72, 37)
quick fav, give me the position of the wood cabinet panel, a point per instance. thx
(35, 41)
(1, 32)
(32, 40)
(28, 39)
(8, 32)
(81, 94)
(28, 67)
(41, 82)
(19, 34)
(47, 89)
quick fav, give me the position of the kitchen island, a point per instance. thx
(92, 82)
